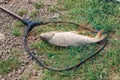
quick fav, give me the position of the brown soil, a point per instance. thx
(11, 42)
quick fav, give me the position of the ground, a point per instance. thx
(16, 64)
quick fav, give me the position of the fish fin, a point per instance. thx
(99, 34)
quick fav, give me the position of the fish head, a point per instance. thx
(47, 36)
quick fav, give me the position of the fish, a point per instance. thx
(71, 38)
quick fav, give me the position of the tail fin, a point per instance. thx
(100, 36)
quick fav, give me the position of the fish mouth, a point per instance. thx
(46, 36)
(43, 38)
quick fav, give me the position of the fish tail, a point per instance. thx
(100, 36)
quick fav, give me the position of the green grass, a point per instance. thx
(99, 14)
(53, 9)
(62, 57)
(53, 27)
(38, 4)
(18, 24)
(34, 13)
(21, 12)
(16, 52)
(9, 64)
(24, 78)
(16, 32)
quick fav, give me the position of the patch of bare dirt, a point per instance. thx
(11, 42)
(114, 76)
